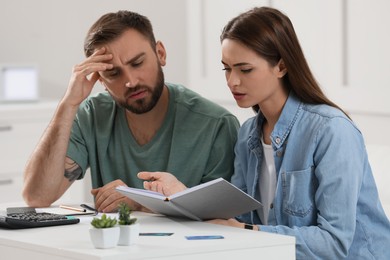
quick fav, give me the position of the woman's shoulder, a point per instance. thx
(329, 119)
(323, 110)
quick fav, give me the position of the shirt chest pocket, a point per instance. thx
(298, 192)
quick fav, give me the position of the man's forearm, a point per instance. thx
(44, 180)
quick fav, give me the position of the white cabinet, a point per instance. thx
(21, 126)
(10, 187)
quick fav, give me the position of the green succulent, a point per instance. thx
(103, 222)
(125, 214)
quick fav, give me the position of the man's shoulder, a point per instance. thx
(97, 107)
(188, 99)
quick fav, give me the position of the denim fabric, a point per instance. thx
(326, 194)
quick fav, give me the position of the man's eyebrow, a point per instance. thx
(134, 59)
(237, 64)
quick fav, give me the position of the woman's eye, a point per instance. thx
(226, 69)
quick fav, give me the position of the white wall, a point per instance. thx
(51, 34)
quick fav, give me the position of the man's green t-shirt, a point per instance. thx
(195, 142)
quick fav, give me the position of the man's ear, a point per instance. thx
(282, 70)
(161, 53)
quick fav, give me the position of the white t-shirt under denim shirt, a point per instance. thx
(267, 182)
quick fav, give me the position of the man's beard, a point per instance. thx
(142, 106)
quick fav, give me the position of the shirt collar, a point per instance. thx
(286, 121)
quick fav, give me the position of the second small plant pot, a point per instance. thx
(129, 234)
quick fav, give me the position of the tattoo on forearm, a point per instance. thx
(73, 171)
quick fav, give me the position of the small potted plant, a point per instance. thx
(129, 229)
(104, 232)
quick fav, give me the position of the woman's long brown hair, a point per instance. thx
(271, 35)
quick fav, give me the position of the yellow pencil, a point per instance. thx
(72, 208)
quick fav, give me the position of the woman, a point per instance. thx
(301, 156)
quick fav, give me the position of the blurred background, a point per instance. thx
(346, 43)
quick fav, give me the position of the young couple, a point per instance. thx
(301, 156)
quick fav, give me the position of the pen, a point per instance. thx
(85, 206)
(72, 208)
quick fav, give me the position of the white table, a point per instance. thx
(73, 242)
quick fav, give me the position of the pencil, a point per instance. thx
(72, 208)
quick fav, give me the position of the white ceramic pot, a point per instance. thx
(128, 234)
(104, 237)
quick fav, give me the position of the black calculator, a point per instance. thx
(26, 217)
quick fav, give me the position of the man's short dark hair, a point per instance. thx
(111, 25)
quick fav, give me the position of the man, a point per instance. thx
(140, 124)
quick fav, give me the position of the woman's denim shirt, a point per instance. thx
(326, 194)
